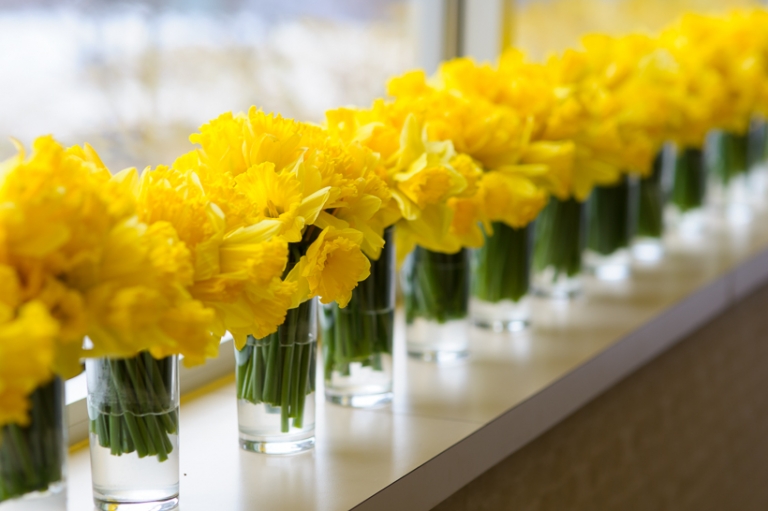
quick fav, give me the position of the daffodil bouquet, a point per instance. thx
(76, 261)
(307, 200)
(427, 180)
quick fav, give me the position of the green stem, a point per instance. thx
(501, 268)
(436, 285)
(136, 409)
(560, 238)
(650, 207)
(689, 187)
(610, 210)
(31, 457)
(364, 328)
(277, 369)
(729, 155)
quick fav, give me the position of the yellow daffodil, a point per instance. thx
(331, 268)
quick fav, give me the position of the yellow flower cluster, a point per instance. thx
(76, 261)
(274, 211)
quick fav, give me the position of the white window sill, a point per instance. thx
(450, 423)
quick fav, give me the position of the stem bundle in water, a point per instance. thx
(436, 285)
(758, 133)
(650, 207)
(363, 330)
(31, 457)
(502, 265)
(611, 217)
(729, 152)
(279, 370)
(559, 238)
(689, 187)
(133, 405)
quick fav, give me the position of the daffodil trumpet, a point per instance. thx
(276, 385)
(501, 278)
(32, 455)
(133, 407)
(436, 291)
(357, 339)
(559, 241)
(612, 217)
(648, 245)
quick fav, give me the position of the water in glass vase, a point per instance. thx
(131, 482)
(133, 406)
(276, 386)
(436, 290)
(357, 339)
(501, 275)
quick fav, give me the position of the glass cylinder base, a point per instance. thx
(647, 250)
(557, 285)
(262, 431)
(53, 499)
(275, 379)
(437, 342)
(502, 316)
(612, 267)
(361, 384)
(127, 481)
(732, 202)
(133, 406)
(689, 225)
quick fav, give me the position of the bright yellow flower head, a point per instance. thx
(27, 348)
(70, 242)
(238, 260)
(331, 268)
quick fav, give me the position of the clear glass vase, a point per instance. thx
(276, 386)
(757, 161)
(559, 240)
(33, 457)
(436, 292)
(612, 214)
(689, 188)
(357, 340)
(501, 279)
(133, 407)
(729, 189)
(648, 243)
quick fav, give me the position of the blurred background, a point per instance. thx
(135, 78)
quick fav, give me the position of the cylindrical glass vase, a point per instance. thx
(560, 236)
(436, 292)
(757, 159)
(648, 244)
(611, 211)
(500, 279)
(33, 457)
(689, 188)
(357, 340)
(133, 407)
(729, 194)
(276, 386)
